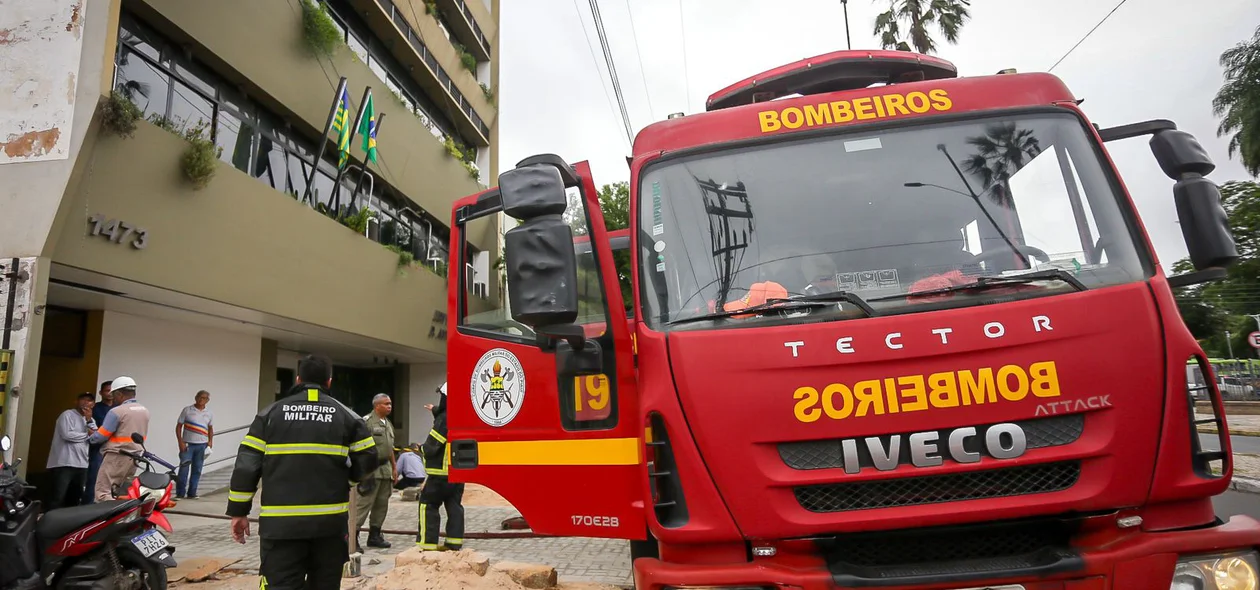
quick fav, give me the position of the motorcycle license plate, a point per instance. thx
(150, 542)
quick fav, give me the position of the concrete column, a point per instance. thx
(23, 295)
(402, 403)
(267, 372)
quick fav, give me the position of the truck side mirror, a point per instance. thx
(1204, 223)
(539, 257)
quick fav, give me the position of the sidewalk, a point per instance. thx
(1239, 425)
(575, 559)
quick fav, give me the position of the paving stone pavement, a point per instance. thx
(575, 559)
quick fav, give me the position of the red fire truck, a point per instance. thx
(877, 314)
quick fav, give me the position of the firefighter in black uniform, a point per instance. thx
(438, 491)
(308, 449)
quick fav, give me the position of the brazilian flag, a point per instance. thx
(368, 129)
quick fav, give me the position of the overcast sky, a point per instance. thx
(1151, 59)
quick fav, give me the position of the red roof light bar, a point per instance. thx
(832, 72)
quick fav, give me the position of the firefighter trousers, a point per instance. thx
(440, 493)
(302, 564)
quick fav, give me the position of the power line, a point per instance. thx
(594, 61)
(1091, 32)
(639, 55)
(682, 29)
(612, 69)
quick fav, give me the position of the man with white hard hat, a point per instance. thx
(127, 417)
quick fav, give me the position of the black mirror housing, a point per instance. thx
(541, 272)
(1179, 154)
(532, 192)
(1204, 223)
(137, 438)
(538, 253)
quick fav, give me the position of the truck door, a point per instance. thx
(554, 432)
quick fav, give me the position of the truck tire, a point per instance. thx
(647, 548)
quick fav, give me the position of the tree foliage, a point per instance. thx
(907, 24)
(1213, 308)
(1238, 102)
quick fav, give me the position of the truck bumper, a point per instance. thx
(1138, 561)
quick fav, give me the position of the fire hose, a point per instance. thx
(467, 535)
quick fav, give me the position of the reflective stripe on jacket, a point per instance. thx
(306, 450)
(436, 451)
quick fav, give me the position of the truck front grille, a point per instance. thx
(826, 454)
(935, 489)
(950, 553)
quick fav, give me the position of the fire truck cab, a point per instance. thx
(875, 310)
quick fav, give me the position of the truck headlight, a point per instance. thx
(1234, 571)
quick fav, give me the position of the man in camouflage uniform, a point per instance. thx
(377, 501)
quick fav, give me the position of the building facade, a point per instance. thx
(213, 245)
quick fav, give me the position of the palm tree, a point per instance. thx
(1238, 102)
(1000, 153)
(918, 17)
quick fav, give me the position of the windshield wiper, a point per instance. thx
(832, 297)
(1054, 274)
(781, 304)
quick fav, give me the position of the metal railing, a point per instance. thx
(230, 457)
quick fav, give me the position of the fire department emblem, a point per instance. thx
(498, 387)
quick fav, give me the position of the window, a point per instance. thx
(235, 139)
(992, 197)
(190, 109)
(142, 82)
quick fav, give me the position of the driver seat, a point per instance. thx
(63, 521)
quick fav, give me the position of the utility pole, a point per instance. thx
(1256, 316)
(1230, 345)
(849, 41)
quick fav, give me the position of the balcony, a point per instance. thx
(258, 46)
(436, 65)
(467, 19)
(238, 242)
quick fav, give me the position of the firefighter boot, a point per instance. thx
(376, 539)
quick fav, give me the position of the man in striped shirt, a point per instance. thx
(195, 432)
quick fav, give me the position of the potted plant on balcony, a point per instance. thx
(319, 32)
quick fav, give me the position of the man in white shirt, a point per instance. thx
(195, 432)
(68, 457)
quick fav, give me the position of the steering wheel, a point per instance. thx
(1025, 251)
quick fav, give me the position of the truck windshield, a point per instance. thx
(939, 215)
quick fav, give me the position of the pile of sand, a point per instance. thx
(430, 570)
(476, 495)
(463, 570)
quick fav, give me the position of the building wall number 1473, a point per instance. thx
(119, 232)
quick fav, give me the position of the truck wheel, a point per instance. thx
(647, 548)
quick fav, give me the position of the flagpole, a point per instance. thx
(319, 153)
(358, 118)
(363, 171)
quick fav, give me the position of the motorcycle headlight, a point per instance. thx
(1233, 571)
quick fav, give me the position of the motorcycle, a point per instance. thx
(111, 545)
